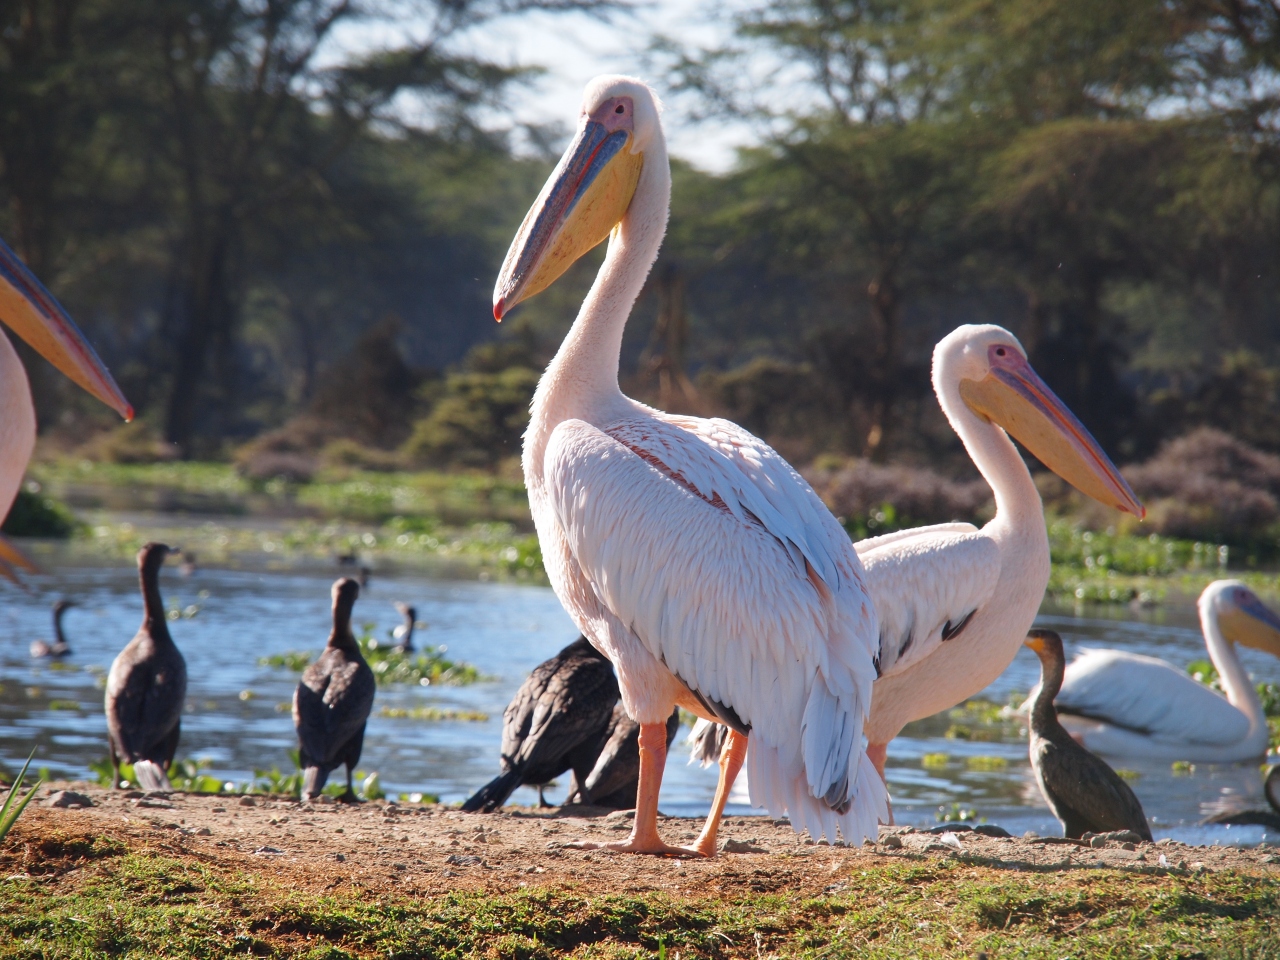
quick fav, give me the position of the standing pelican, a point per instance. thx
(147, 687)
(1126, 705)
(689, 553)
(30, 311)
(1082, 791)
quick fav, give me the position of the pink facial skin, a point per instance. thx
(616, 113)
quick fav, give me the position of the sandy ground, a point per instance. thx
(429, 849)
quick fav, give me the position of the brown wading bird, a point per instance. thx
(59, 648)
(557, 721)
(1081, 790)
(615, 777)
(332, 701)
(147, 687)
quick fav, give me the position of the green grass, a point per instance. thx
(124, 904)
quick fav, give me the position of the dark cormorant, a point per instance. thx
(1082, 791)
(613, 780)
(332, 701)
(59, 648)
(556, 722)
(403, 634)
(146, 687)
(1256, 818)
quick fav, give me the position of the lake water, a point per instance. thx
(235, 718)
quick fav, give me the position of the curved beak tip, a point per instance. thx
(128, 413)
(499, 306)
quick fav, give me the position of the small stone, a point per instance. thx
(621, 815)
(219, 810)
(1097, 842)
(269, 850)
(340, 858)
(68, 799)
(204, 832)
(1128, 846)
(893, 841)
(740, 846)
(247, 801)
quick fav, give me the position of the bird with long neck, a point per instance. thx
(59, 647)
(30, 311)
(333, 700)
(1084, 793)
(686, 550)
(147, 687)
(1124, 704)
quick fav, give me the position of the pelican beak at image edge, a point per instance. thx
(585, 198)
(30, 311)
(1013, 396)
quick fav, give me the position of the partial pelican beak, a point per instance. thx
(1014, 397)
(11, 559)
(30, 311)
(1251, 622)
(586, 197)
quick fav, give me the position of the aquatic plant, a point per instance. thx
(11, 811)
(935, 761)
(390, 665)
(1203, 671)
(432, 714)
(957, 814)
(986, 763)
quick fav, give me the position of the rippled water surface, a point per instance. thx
(237, 715)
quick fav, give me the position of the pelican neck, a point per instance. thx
(582, 380)
(1235, 681)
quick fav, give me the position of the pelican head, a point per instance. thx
(1242, 617)
(589, 192)
(998, 384)
(30, 311)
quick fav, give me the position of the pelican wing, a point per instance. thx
(706, 546)
(926, 583)
(1150, 697)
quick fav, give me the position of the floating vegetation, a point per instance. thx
(935, 761)
(1182, 768)
(983, 721)
(64, 705)
(433, 713)
(1129, 775)
(1203, 671)
(390, 665)
(957, 814)
(986, 763)
(295, 660)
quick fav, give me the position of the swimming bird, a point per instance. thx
(30, 311)
(1081, 790)
(147, 687)
(1126, 705)
(1256, 818)
(557, 721)
(613, 780)
(955, 602)
(59, 648)
(332, 702)
(687, 550)
(403, 634)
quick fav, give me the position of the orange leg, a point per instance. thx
(644, 832)
(731, 757)
(878, 753)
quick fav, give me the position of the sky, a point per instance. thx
(572, 48)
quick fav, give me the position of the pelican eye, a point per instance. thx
(1000, 351)
(619, 109)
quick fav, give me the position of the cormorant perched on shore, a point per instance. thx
(613, 780)
(403, 634)
(557, 721)
(332, 701)
(1081, 790)
(147, 687)
(59, 648)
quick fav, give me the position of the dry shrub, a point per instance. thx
(858, 488)
(356, 456)
(1209, 485)
(289, 453)
(137, 442)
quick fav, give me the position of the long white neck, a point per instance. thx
(17, 424)
(1231, 673)
(1018, 506)
(582, 381)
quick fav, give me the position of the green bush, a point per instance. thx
(477, 421)
(34, 515)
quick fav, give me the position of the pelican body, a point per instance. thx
(686, 550)
(30, 311)
(1126, 705)
(332, 701)
(147, 687)
(557, 721)
(1081, 790)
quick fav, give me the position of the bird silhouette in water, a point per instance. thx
(403, 634)
(332, 701)
(1256, 818)
(147, 687)
(1081, 790)
(557, 721)
(613, 780)
(59, 648)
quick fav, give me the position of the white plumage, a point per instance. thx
(1126, 705)
(687, 550)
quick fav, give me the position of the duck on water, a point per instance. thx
(59, 647)
(147, 687)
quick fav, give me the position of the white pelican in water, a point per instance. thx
(955, 602)
(688, 552)
(30, 311)
(1125, 705)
